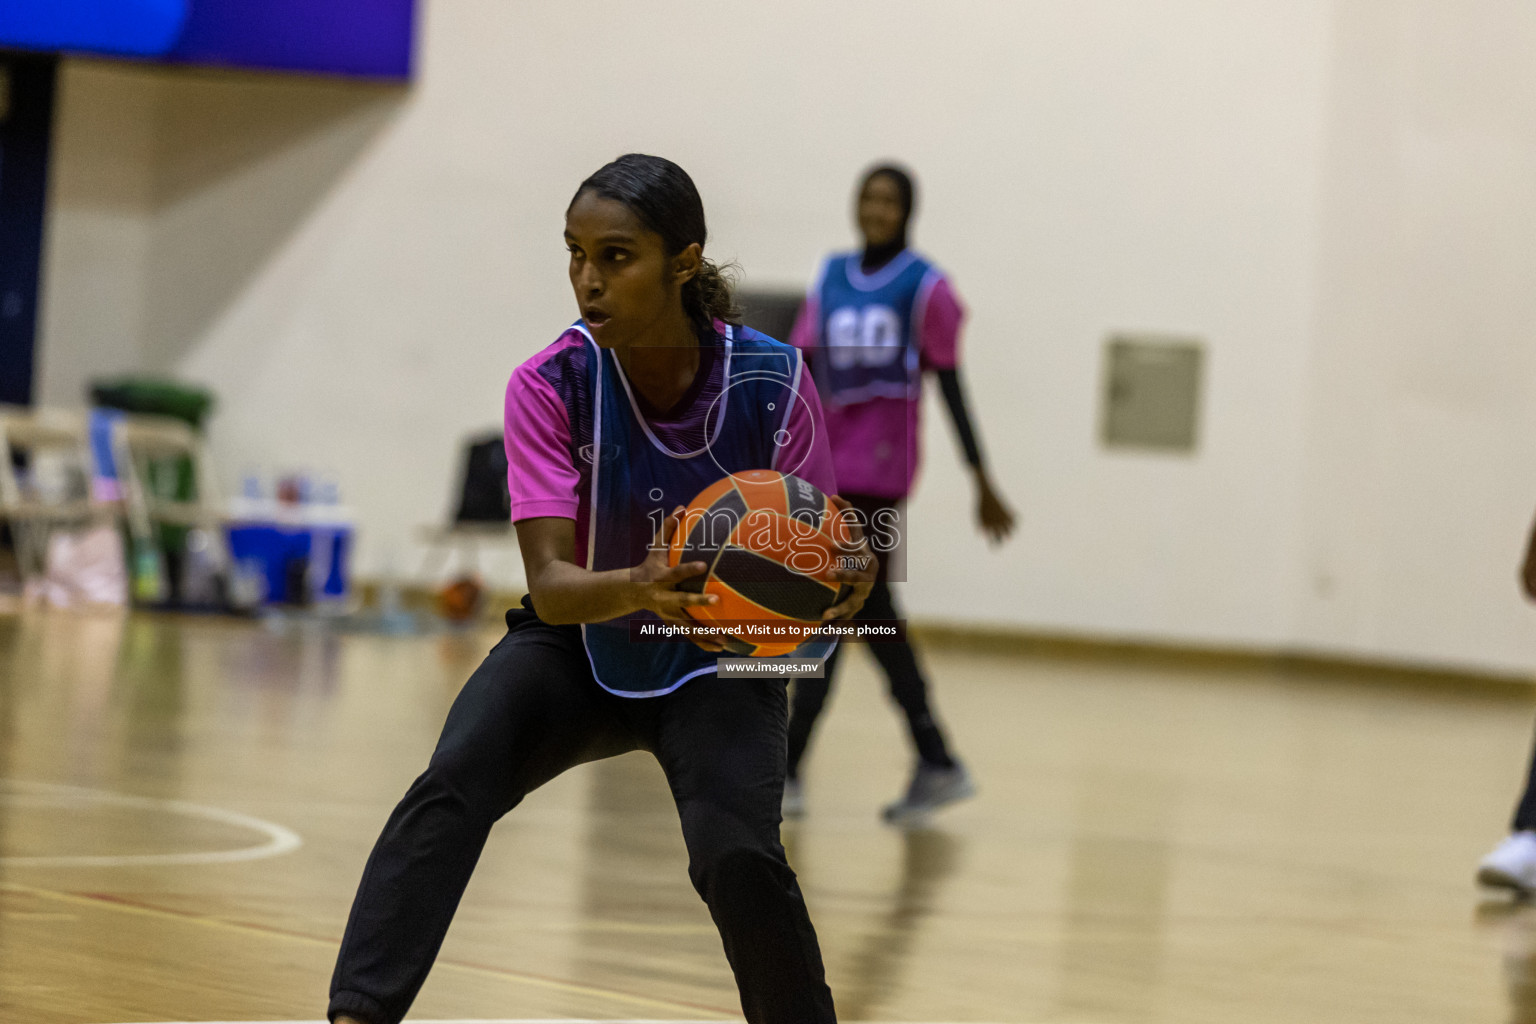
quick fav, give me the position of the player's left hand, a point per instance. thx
(995, 518)
(861, 579)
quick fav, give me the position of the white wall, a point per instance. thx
(96, 243)
(356, 270)
(1422, 412)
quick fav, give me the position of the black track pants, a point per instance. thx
(529, 712)
(897, 660)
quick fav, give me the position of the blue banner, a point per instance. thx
(365, 38)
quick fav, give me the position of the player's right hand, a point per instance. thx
(658, 582)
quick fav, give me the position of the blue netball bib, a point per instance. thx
(869, 344)
(639, 477)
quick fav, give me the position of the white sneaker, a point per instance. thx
(1511, 865)
(794, 799)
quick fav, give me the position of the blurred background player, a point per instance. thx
(635, 379)
(1512, 864)
(872, 324)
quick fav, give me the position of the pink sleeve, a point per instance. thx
(942, 316)
(804, 335)
(537, 434)
(808, 453)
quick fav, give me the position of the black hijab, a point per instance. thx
(877, 256)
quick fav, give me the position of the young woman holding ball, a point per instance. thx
(634, 407)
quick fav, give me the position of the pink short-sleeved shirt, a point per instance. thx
(876, 440)
(548, 423)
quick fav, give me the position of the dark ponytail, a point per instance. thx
(662, 195)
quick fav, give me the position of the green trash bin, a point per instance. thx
(155, 397)
(156, 564)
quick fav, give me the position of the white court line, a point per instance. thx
(279, 839)
(513, 1020)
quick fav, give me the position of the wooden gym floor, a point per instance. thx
(186, 804)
